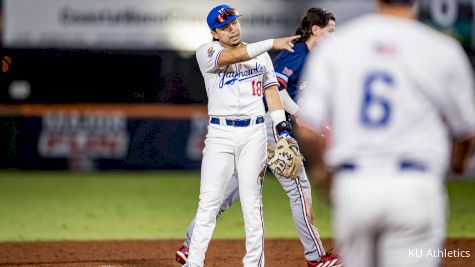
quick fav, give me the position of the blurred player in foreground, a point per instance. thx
(396, 92)
(315, 25)
(236, 77)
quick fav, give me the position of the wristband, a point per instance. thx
(278, 116)
(255, 49)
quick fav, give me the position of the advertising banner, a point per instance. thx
(151, 24)
(74, 141)
(82, 138)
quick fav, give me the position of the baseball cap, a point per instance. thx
(221, 15)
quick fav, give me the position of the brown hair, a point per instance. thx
(313, 16)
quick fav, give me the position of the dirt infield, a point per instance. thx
(282, 253)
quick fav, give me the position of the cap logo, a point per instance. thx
(210, 52)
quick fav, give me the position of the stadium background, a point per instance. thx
(103, 111)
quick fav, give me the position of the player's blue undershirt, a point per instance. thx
(288, 67)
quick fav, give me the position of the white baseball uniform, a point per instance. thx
(298, 191)
(300, 198)
(235, 143)
(394, 90)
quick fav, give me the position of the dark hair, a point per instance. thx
(313, 16)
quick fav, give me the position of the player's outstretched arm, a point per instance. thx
(285, 43)
(246, 52)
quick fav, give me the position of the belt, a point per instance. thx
(238, 122)
(404, 165)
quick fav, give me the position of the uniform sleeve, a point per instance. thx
(207, 56)
(459, 102)
(285, 64)
(269, 74)
(315, 97)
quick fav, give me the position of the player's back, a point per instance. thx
(394, 85)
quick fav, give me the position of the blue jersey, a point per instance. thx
(288, 67)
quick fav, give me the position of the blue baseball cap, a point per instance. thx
(221, 15)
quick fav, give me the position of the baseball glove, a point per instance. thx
(286, 159)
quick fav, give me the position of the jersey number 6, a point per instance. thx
(376, 109)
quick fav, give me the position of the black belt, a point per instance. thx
(237, 123)
(404, 165)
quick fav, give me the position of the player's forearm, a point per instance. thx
(289, 104)
(281, 126)
(462, 150)
(274, 102)
(244, 52)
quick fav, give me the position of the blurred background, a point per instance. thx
(114, 84)
(97, 85)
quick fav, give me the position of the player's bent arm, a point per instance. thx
(289, 104)
(462, 150)
(249, 51)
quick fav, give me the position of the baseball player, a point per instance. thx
(315, 25)
(395, 97)
(237, 76)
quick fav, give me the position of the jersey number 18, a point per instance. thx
(257, 88)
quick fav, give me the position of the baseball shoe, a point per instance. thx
(182, 255)
(329, 260)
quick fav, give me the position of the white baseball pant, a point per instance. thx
(228, 150)
(387, 218)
